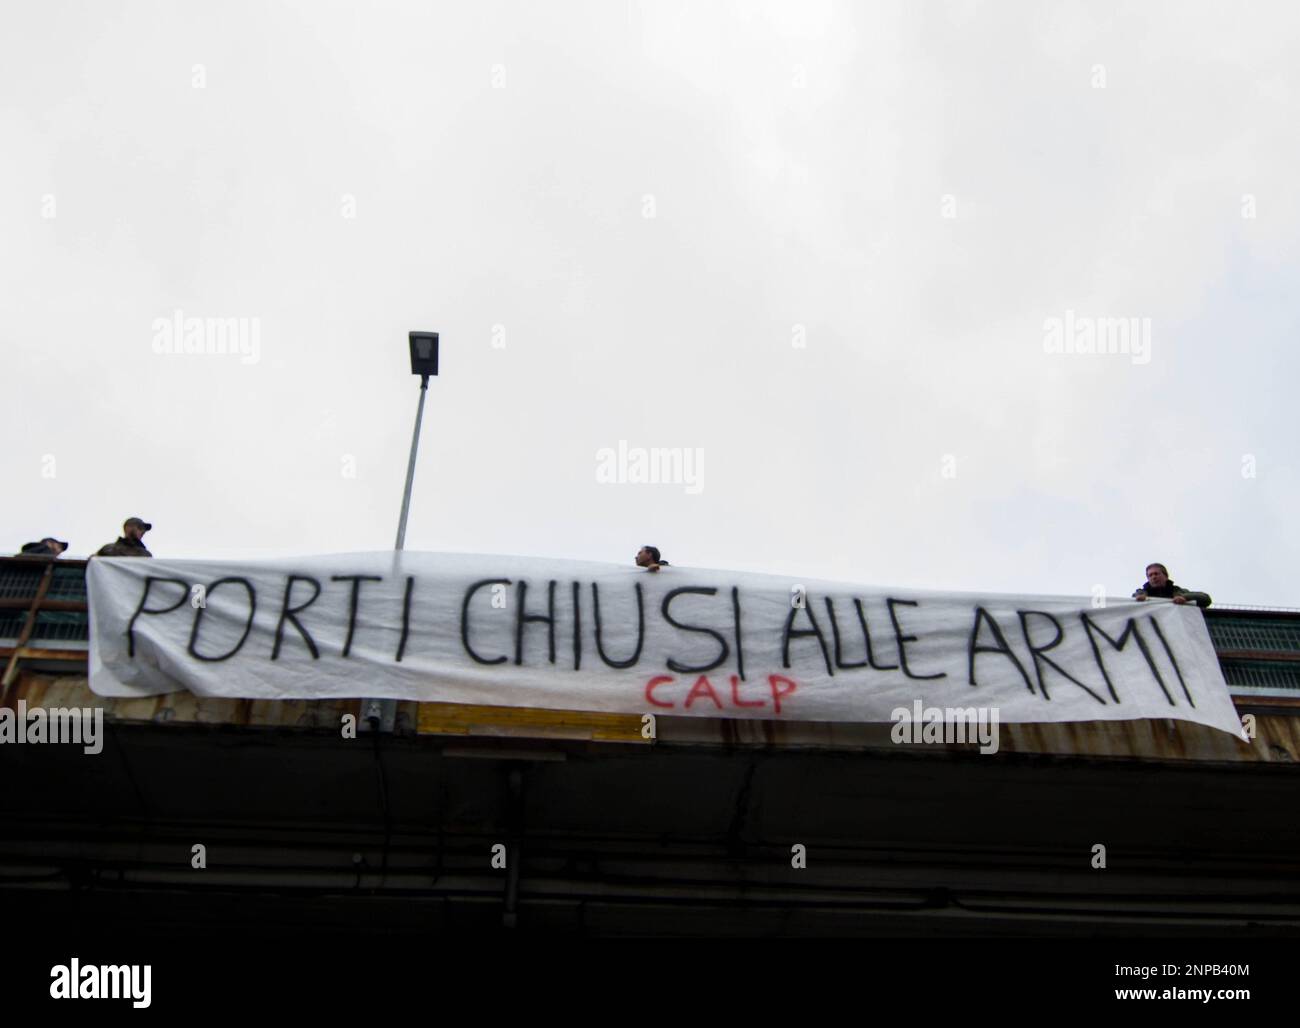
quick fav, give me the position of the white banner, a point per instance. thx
(572, 635)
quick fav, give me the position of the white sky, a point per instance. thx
(797, 154)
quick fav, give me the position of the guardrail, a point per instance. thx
(1258, 649)
(44, 615)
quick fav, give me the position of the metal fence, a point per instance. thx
(1255, 632)
(44, 617)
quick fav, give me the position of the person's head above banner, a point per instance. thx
(648, 557)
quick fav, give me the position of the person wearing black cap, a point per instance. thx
(47, 547)
(131, 543)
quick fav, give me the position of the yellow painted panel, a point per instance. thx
(528, 722)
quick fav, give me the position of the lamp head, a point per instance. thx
(424, 353)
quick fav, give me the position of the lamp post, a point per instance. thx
(424, 362)
(381, 714)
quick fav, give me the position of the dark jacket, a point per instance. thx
(1168, 591)
(124, 547)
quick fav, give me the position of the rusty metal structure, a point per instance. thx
(483, 818)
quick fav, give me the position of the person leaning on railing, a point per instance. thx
(1160, 584)
(47, 547)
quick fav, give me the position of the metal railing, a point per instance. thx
(1258, 649)
(44, 615)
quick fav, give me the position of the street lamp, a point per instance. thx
(424, 362)
(382, 714)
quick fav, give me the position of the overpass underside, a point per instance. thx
(698, 833)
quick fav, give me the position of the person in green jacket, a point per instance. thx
(1160, 584)
(131, 542)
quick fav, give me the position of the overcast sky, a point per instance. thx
(821, 244)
